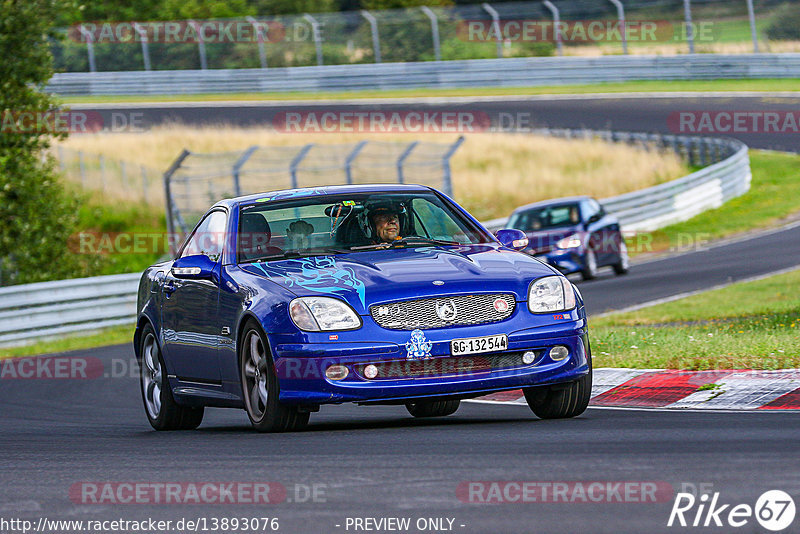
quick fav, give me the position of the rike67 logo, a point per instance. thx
(774, 510)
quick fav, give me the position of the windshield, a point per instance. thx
(545, 218)
(341, 224)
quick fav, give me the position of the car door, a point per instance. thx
(190, 309)
(601, 235)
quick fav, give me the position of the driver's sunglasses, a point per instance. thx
(383, 218)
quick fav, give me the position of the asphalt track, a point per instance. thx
(649, 113)
(377, 461)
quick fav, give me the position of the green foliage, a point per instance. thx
(785, 24)
(37, 214)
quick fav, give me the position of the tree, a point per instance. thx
(37, 214)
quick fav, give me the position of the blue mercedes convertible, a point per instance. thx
(280, 302)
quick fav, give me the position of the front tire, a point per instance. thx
(260, 386)
(162, 411)
(560, 402)
(433, 408)
(589, 271)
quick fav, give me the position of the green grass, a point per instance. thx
(102, 338)
(774, 195)
(114, 227)
(752, 325)
(767, 85)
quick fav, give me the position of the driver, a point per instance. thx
(386, 222)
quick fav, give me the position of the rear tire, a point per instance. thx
(622, 266)
(260, 387)
(162, 411)
(433, 408)
(589, 271)
(559, 402)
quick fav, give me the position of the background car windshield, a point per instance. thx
(346, 223)
(546, 217)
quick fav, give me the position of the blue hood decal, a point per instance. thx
(317, 274)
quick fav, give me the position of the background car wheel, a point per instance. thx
(560, 402)
(623, 265)
(260, 386)
(437, 408)
(589, 271)
(159, 405)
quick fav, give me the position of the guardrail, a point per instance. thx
(508, 72)
(726, 176)
(50, 309)
(47, 309)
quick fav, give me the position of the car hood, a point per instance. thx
(545, 240)
(373, 277)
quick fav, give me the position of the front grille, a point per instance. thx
(452, 311)
(447, 366)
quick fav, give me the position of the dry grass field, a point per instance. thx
(492, 172)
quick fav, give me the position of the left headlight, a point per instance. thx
(551, 294)
(315, 314)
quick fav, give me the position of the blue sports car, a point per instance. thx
(376, 294)
(574, 235)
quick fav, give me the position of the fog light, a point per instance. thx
(370, 371)
(558, 353)
(336, 372)
(528, 357)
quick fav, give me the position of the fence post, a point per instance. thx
(262, 51)
(102, 161)
(496, 25)
(446, 177)
(623, 29)
(144, 183)
(376, 41)
(82, 168)
(556, 22)
(437, 47)
(752, 15)
(168, 197)
(317, 36)
(348, 162)
(145, 49)
(89, 47)
(296, 163)
(201, 45)
(400, 160)
(687, 12)
(123, 171)
(237, 188)
(61, 164)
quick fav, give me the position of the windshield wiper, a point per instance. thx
(293, 254)
(405, 241)
(425, 240)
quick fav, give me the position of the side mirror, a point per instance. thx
(195, 267)
(511, 238)
(594, 218)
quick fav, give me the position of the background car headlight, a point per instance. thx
(314, 314)
(551, 294)
(571, 241)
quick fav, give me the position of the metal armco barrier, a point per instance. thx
(29, 312)
(49, 309)
(509, 72)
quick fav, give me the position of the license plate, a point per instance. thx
(476, 345)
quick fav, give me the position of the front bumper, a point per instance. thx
(301, 366)
(566, 261)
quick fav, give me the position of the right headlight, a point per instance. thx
(551, 294)
(571, 241)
